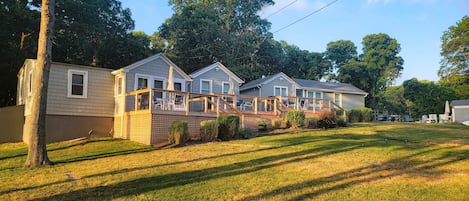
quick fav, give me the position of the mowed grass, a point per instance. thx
(363, 162)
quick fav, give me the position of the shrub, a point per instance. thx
(245, 133)
(341, 122)
(179, 132)
(311, 123)
(295, 118)
(262, 125)
(208, 130)
(276, 123)
(327, 119)
(360, 115)
(228, 126)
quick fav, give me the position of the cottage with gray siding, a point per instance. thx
(216, 79)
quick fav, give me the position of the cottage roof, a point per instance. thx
(329, 86)
(221, 67)
(459, 102)
(150, 59)
(264, 80)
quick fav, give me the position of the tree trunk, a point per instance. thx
(35, 122)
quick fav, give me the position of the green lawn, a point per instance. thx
(363, 162)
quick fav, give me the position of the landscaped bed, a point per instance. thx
(363, 162)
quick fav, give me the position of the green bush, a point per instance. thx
(360, 115)
(245, 133)
(208, 130)
(295, 118)
(179, 132)
(311, 123)
(341, 122)
(276, 123)
(327, 119)
(228, 126)
(262, 125)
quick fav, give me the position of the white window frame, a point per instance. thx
(116, 92)
(72, 72)
(30, 82)
(21, 89)
(321, 95)
(182, 81)
(340, 99)
(281, 87)
(149, 79)
(223, 87)
(211, 85)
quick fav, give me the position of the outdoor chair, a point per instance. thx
(247, 104)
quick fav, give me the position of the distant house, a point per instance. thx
(346, 96)
(460, 110)
(216, 79)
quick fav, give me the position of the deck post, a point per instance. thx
(275, 106)
(136, 100)
(205, 104)
(255, 105)
(150, 99)
(187, 103)
(217, 105)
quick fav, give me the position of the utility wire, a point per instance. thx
(281, 9)
(312, 13)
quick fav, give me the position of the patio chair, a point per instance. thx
(239, 103)
(247, 104)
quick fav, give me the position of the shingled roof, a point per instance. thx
(459, 102)
(329, 86)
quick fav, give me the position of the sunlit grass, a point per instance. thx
(363, 162)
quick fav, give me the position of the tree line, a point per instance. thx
(100, 33)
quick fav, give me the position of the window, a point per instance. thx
(77, 84)
(226, 87)
(178, 86)
(318, 95)
(158, 84)
(205, 86)
(280, 91)
(119, 83)
(338, 99)
(142, 83)
(299, 93)
(310, 94)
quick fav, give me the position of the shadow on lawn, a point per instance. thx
(409, 164)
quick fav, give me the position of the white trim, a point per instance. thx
(461, 106)
(340, 99)
(221, 67)
(143, 76)
(223, 87)
(281, 87)
(211, 85)
(116, 85)
(72, 72)
(30, 82)
(20, 89)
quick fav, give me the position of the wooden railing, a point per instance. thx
(155, 100)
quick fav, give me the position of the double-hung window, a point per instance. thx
(142, 83)
(205, 86)
(280, 91)
(77, 84)
(338, 99)
(226, 87)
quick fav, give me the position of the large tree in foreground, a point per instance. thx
(35, 122)
(454, 70)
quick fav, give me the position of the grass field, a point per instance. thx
(363, 162)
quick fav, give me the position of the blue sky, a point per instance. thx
(416, 24)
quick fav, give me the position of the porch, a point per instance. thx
(149, 112)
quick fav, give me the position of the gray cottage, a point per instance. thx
(216, 79)
(460, 110)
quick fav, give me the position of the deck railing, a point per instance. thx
(155, 100)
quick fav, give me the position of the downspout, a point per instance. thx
(260, 89)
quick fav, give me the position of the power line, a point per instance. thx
(312, 13)
(281, 9)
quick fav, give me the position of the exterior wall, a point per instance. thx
(65, 127)
(460, 113)
(11, 124)
(137, 127)
(161, 122)
(100, 92)
(351, 101)
(251, 92)
(328, 96)
(268, 89)
(157, 67)
(217, 77)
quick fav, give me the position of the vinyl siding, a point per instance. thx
(156, 67)
(461, 114)
(217, 77)
(100, 96)
(351, 101)
(268, 89)
(251, 92)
